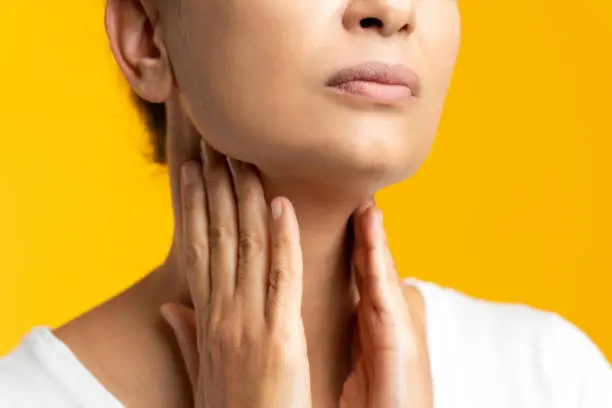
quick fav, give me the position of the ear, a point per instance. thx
(135, 38)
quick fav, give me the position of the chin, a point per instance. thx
(380, 173)
(384, 156)
(350, 167)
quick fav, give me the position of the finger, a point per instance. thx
(222, 230)
(285, 282)
(195, 234)
(359, 251)
(366, 331)
(253, 253)
(357, 219)
(390, 268)
(378, 286)
(183, 323)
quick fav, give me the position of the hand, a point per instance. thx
(244, 344)
(390, 364)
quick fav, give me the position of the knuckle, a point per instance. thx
(218, 234)
(280, 274)
(281, 242)
(195, 252)
(250, 245)
(277, 277)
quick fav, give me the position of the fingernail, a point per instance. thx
(380, 216)
(189, 174)
(277, 209)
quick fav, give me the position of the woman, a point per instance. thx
(328, 102)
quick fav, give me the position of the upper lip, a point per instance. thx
(380, 72)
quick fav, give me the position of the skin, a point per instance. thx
(248, 78)
(244, 344)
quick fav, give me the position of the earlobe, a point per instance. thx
(136, 43)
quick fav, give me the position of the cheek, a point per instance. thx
(237, 62)
(243, 67)
(244, 45)
(439, 34)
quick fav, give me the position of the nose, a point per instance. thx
(386, 17)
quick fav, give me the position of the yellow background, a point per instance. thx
(513, 204)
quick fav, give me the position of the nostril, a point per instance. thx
(405, 29)
(370, 22)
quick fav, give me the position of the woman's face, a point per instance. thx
(253, 77)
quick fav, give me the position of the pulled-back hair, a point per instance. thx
(155, 118)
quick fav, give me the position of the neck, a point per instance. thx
(133, 317)
(328, 295)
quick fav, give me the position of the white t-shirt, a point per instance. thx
(483, 355)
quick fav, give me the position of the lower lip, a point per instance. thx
(393, 93)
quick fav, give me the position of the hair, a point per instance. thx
(155, 119)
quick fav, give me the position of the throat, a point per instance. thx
(328, 312)
(329, 337)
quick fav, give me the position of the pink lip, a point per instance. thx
(377, 81)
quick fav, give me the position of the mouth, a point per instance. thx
(377, 81)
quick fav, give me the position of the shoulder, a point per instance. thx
(516, 350)
(42, 371)
(21, 373)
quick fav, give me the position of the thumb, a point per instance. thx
(183, 323)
